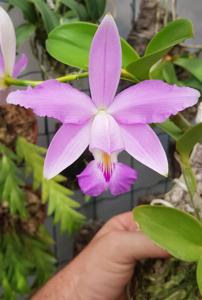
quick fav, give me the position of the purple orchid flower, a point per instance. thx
(8, 67)
(106, 123)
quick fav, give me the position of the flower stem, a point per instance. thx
(181, 122)
(70, 77)
(19, 82)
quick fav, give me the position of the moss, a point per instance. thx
(165, 280)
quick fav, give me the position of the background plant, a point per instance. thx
(40, 17)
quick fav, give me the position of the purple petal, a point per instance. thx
(91, 180)
(143, 144)
(67, 145)
(122, 179)
(7, 41)
(106, 134)
(57, 100)
(20, 65)
(151, 101)
(105, 63)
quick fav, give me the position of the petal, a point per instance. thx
(7, 41)
(105, 63)
(1, 65)
(66, 146)
(20, 65)
(122, 179)
(57, 100)
(151, 101)
(106, 134)
(143, 144)
(91, 180)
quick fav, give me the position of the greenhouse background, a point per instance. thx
(149, 182)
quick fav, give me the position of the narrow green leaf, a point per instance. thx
(184, 146)
(199, 274)
(141, 67)
(169, 73)
(176, 231)
(171, 35)
(70, 44)
(95, 8)
(192, 65)
(49, 17)
(188, 174)
(24, 32)
(192, 82)
(189, 139)
(78, 8)
(27, 9)
(156, 71)
(101, 5)
(171, 129)
(52, 192)
(164, 70)
(11, 186)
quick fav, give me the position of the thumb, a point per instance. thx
(135, 246)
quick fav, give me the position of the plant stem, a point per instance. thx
(181, 122)
(70, 77)
(190, 181)
(19, 82)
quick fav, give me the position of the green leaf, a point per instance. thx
(192, 65)
(70, 44)
(49, 17)
(17, 265)
(24, 32)
(171, 129)
(189, 139)
(171, 35)
(176, 231)
(62, 206)
(164, 70)
(42, 260)
(188, 174)
(199, 274)
(78, 8)
(156, 71)
(11, 185)
(192, 82)
(95, 8)
(169, 73)
(184, 146)
(58, 197)
(27, 9)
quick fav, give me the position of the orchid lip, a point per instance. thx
(106, 163)
(106, 166)
(105, 172)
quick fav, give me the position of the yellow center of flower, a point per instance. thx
(106, 165)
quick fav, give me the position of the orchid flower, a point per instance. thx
(8, 67)
(106, 122)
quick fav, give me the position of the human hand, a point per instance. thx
(103, 269)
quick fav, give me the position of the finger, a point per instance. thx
(135, 246)
(122, 222)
